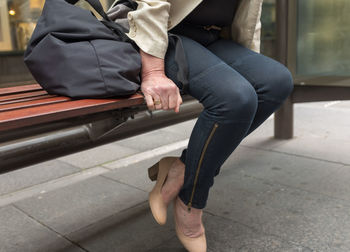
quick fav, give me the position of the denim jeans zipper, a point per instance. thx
(189, 205)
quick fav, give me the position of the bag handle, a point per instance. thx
(129, 3)
(115, 27)
(181, 61)
(96, 4)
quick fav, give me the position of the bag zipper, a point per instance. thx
(189, 205)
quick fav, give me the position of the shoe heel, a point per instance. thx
(153, 171)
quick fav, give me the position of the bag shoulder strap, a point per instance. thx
(181, 61)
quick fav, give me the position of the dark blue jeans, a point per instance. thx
(239, 89)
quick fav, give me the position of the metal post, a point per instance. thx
(283, 126)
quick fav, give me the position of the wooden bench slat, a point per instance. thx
(32, 103)
(20, 89)
(53, 112)
(28, 99)
(22, 95)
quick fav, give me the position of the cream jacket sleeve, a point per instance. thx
(256, 42)
(149, 26)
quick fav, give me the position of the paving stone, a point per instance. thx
(241, 199)
(263, 137)
(98, 155)
(313, 135)
(137, 174)
(310, 219)
(132, 230)
(150, 140)
(318, 222)
(226, 235)
(337, 104)
(282, 168)
(184, 128)
(19, 233)
(325, 150)
(322, 138)
(318, 104)
(342, 104)
(336, 185)
(325, 123)
(171, 245)
(313, 175)
(33, 175)
(79, 205)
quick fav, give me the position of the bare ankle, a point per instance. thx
(177, 170)
(189, 222)
(179, 165)
(174, 181)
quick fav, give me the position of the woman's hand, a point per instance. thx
(156, 86)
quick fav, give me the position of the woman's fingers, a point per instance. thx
(179, 101)
(164, 97)
(175, 100)
(158, 101)
(149, 101)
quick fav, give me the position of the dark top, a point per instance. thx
(213, 12)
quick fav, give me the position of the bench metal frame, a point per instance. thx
(51, 137)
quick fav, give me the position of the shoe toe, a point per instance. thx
(158, 208)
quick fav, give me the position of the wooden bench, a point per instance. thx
(36, 126)
(30, 105)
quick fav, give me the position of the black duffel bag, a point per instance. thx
(72, 53)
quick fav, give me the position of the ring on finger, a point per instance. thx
(157, 102)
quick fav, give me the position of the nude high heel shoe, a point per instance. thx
(197, 244)
(159, 172)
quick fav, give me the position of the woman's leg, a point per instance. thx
(230, 103)
(271, 80)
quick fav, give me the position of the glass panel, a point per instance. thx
(18, 19)
(323, 38)
(268, 31)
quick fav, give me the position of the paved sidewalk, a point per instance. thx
(271, 195)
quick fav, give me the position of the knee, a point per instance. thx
(285, 79)
(281, 82)
(240, 103)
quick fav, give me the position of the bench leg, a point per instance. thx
(283, 120)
